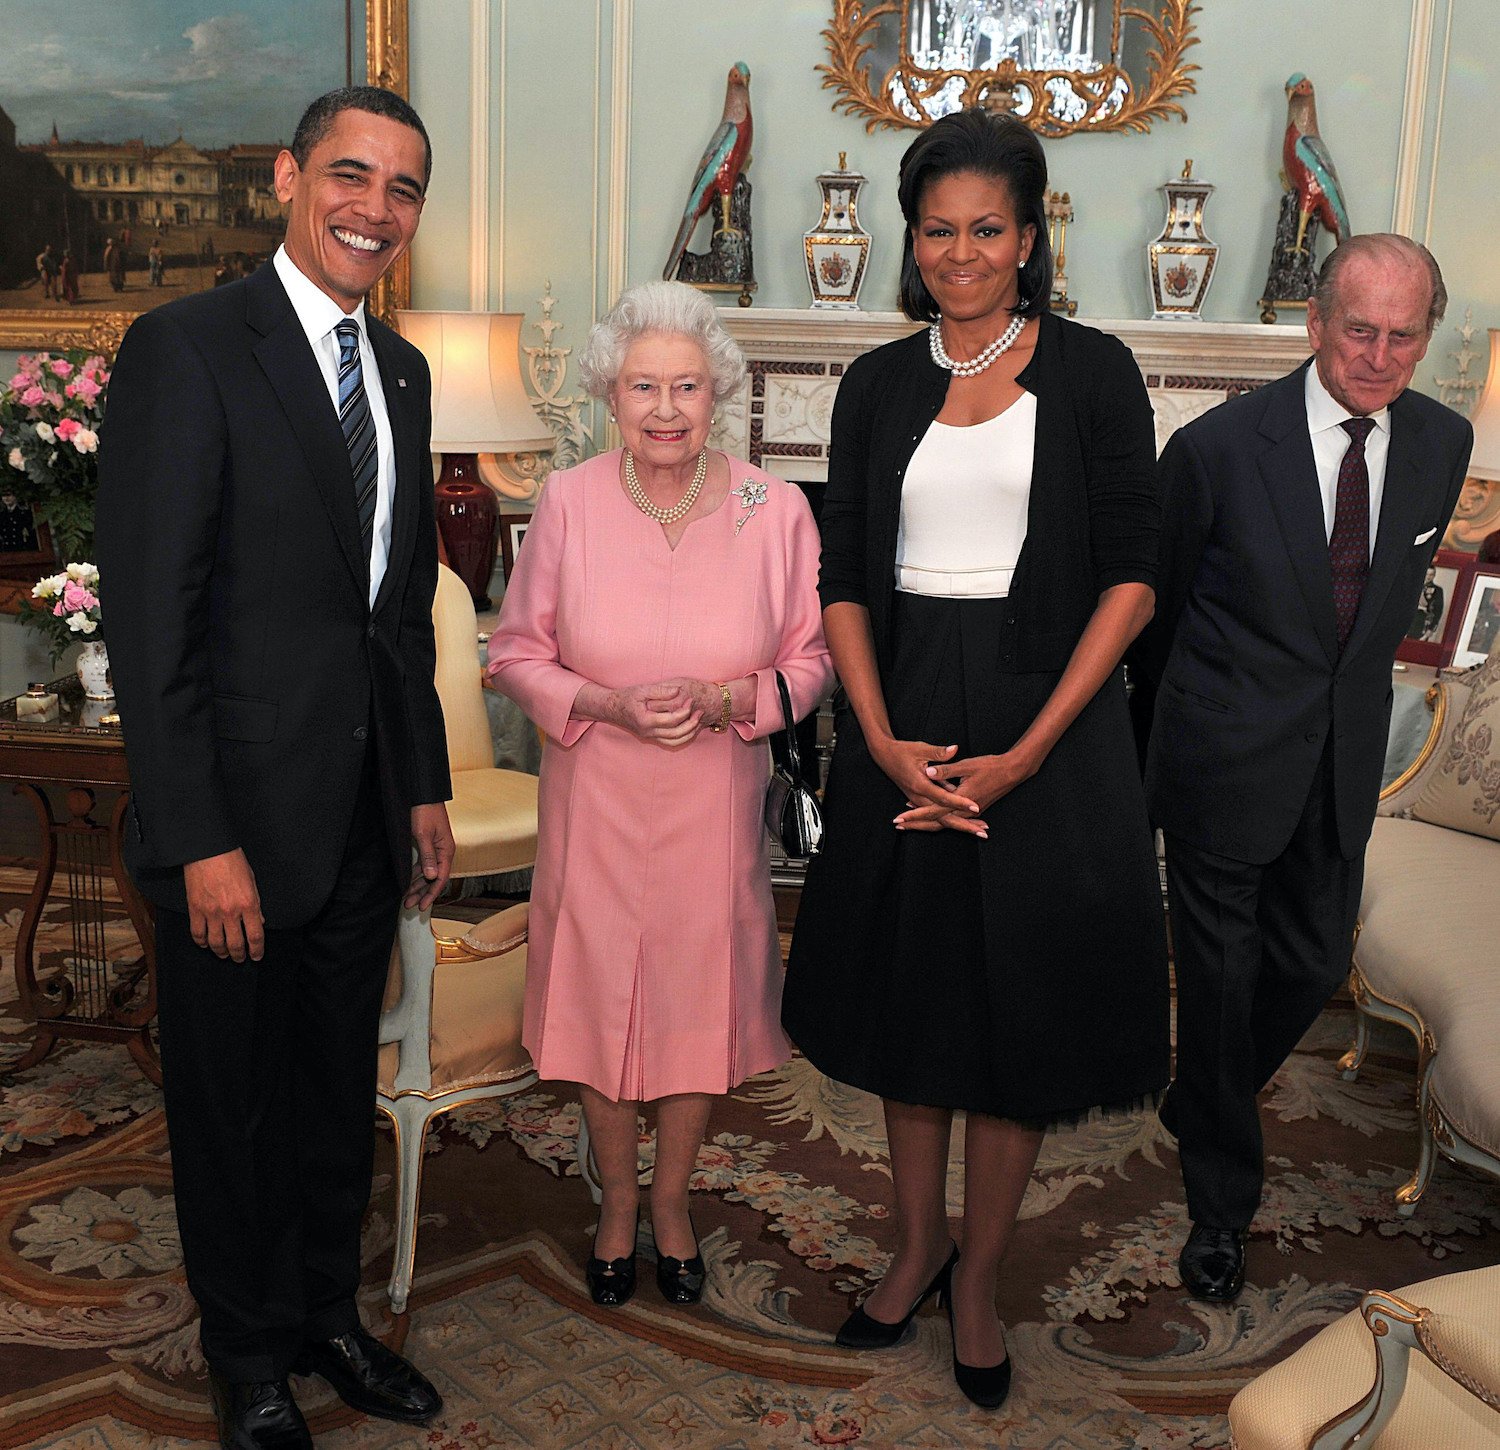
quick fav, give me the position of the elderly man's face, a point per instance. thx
(1370, 345)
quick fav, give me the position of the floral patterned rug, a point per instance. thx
(99, 1332)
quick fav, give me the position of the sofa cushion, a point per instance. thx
(1284, 1407)
(1462, 790)
(1422, 945)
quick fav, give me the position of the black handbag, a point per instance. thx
(793, 816)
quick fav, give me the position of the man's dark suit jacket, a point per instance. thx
(251, 671)
(1244, 647)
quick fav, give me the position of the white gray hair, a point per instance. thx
(666, 307)
(1380, 246)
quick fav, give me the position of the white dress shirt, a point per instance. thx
(1330, 442)
(319, 315)
(963, 506)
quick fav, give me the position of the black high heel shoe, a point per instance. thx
(612, 1281)
(680, 1280)
(985, 1385)
(860, 1331)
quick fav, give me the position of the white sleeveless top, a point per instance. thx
(963, 506)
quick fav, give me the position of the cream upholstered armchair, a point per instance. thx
(451, 1031)
(1415, 1370)
(1425, 954)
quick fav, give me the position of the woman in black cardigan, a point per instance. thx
(983, 930)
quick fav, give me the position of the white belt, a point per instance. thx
(954, 583)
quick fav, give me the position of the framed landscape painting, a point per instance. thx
(137, 146)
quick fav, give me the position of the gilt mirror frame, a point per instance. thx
(1168, 26)
(387, 64)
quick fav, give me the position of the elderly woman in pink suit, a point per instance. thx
(660, 589)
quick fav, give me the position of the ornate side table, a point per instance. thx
(67, 762)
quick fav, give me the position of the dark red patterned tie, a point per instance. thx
(1349, 544)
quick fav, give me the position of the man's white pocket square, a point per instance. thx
(1423, 538)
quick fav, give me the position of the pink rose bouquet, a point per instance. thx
(65, 607)
(50, 412)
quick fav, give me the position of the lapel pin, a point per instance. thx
(400, 382)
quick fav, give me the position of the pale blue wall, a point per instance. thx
(547, 193)
(552, 71)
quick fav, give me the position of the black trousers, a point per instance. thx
(1259, 950)
(269, 1076)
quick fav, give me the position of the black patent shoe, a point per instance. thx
(861, 1331)
(261, 1416)
(1212, 1263)
(984, 1385)
(371, 1378)
(612, 1281)
(680, 1280)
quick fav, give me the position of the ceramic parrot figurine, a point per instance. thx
(721, 164)
(1307, 166)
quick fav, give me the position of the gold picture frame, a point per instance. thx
(1168, 26)
(94, 329)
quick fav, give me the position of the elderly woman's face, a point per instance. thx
(663, 399)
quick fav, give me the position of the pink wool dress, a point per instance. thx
(654, 966)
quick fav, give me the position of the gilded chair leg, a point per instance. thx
(411, 1116)
(1351, 1062)
(1410, 1192)
(586, 1161)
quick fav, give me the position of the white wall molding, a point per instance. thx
(481, 96)
(1437, 125)
(1413, 113)
(623, 37)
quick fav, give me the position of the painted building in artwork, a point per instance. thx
(128, 183)
(247, 185)
(37, 208)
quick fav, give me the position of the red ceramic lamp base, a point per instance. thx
(468, 520)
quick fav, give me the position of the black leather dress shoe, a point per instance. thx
(260, 1416)
(1212, 1263)
(371, 1378)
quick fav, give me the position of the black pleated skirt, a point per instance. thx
(1024, 976)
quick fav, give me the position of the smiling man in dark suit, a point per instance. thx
(265, 522)
(1299, 523)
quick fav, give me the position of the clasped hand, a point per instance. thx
(669, 712)
(947, 794)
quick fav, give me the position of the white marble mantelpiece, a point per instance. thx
(780, 419)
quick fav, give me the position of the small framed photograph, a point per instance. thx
(1433, 632)
(24, 540)
(512, 530)
(1479, 632)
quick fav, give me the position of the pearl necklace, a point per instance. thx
(975, 365)
(678, 509)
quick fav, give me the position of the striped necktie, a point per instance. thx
(1349, 544)
(359, 431)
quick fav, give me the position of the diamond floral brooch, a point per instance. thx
(751, 495)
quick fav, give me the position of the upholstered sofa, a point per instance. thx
(1415, 1370)
(1427, 954)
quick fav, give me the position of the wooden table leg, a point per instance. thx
(81, 1000)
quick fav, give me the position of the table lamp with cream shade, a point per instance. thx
(479, 405)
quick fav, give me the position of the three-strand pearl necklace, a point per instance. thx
(975, 365)
(678, 509)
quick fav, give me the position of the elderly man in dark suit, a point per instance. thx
(1299, 523)
(265, 522)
